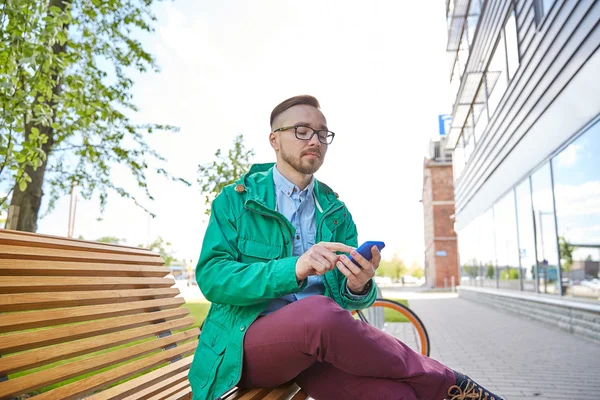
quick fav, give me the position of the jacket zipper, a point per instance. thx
(329, 212)
(256, 316)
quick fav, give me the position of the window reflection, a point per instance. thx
(472, 19)
(487, 249)
(507, 249)
(546, 240)
(526, 237)
(577, 194)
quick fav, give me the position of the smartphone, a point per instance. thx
(365, 250)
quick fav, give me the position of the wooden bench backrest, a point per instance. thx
(82, 318)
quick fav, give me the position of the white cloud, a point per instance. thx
(568, 157)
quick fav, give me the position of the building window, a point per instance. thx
(458, 159)
(472, 20)
(468, 137)
(507, 248)
(541, 9)
(503, 65)
(512, 45)
(545, 229)
(526, 235)
(487, 249)
(577, 195)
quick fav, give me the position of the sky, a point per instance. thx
(378, 68)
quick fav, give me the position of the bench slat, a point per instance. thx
(11, 322)
(18, 238)
(169, 391)
(87, 385)
(182, 394)
(36, 358)
(44, 300)
(300, 396)
(30, 340)
(13, 267)
(146, 385)
(27, 284)
(283, 392)
(251, 394)
(38, 253)
(47, 377)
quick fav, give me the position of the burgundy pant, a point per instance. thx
(332, 356)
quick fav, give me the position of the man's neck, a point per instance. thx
(297, 178)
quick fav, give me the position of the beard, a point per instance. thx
(306, 166)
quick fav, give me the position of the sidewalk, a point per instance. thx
(514, 357)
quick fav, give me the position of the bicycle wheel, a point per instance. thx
(397, 320)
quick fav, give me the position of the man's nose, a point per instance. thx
(314, 141)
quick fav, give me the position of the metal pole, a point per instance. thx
(535, 247)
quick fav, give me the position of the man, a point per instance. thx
(274, 268)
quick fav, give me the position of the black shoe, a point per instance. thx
(467, 389)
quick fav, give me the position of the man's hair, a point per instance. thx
(304, 99)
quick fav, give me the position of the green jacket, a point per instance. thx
(246, 261)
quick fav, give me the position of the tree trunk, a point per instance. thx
(30, 200)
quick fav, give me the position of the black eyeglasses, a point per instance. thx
(306, 133)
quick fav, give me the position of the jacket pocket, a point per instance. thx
(253, 251)
(209, 354)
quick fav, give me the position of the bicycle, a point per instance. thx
(397, 320)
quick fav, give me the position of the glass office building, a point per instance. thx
(525, 137)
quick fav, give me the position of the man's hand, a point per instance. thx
(357, 277)
(319, 259)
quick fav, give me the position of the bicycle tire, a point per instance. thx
(425, 347)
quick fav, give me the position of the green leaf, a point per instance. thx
(61, 36)
(22, 186)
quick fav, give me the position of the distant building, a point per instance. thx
(441, 256)
(525, 139)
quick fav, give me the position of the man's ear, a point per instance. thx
(274, 141)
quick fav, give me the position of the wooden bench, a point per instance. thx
(92, 320)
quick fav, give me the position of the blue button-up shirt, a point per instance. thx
(299, 208)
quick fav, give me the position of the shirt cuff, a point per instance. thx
(355, 296)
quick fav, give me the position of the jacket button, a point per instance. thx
(335, 221)
(240, 188)
(242, 328)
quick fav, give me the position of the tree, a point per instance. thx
(566, 253)
(394, 268)
(491, 272)
(163, 248)
(225, 170)
(64, 98)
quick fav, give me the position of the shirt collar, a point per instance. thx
(287, 187)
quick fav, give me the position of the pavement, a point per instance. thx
(510, 355)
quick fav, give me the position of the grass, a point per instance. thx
(393, 316)
(198, 311)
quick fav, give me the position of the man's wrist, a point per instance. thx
(361, 291)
